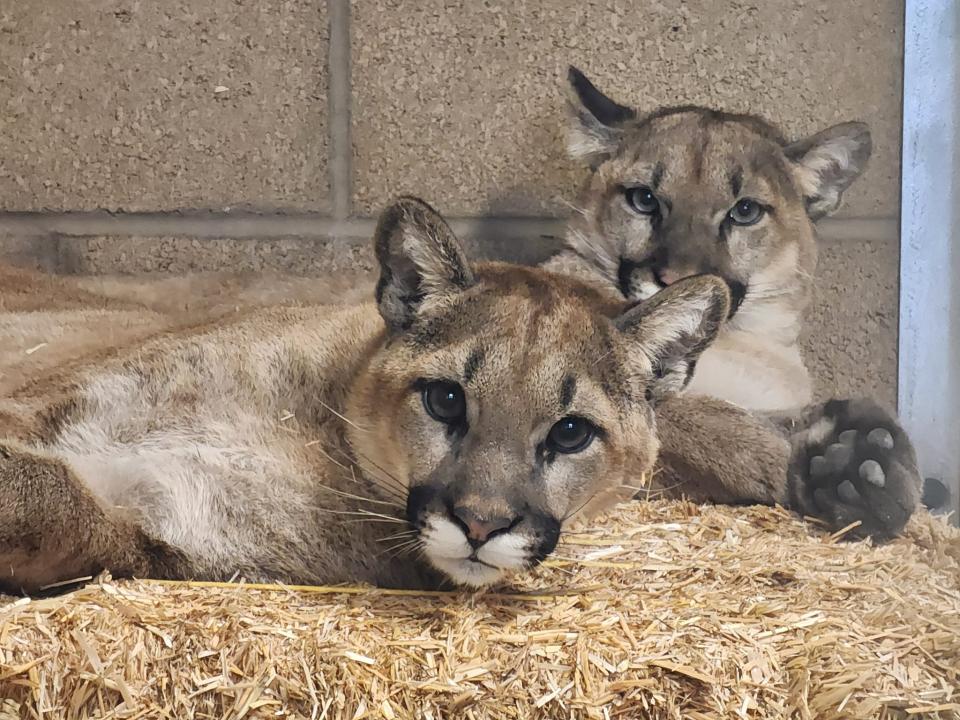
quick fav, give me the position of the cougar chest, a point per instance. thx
(761, 376)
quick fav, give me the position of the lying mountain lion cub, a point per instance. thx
(470, 414)
(689, 190)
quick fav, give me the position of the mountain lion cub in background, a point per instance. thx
(689, 190)
(473, 411)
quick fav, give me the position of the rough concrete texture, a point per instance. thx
(317, 256)
(176, 255)
(851, 334)
(462, 103)
(122, 104)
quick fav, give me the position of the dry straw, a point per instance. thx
(660, 610)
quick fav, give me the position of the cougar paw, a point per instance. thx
(856, 464)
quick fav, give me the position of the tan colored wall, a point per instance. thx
(145, 106)
(186, 116)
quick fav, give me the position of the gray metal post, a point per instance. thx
(929, 374)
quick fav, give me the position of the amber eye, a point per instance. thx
(642, 200)
(445, 402)
(745, 212)
(571, 435)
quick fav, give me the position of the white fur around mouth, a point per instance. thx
(648, 287)
(447, 549)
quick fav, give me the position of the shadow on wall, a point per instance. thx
(539, 140)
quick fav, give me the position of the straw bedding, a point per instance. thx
(658, 610)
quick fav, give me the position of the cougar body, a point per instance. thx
(689, 190)
(447, 432)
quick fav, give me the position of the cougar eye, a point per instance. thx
(444, 401)
(745, 212)
(642, 200)
(570, 435)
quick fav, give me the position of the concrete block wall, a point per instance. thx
(254, 134)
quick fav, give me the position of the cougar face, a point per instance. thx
(507, 400)
(687, 190)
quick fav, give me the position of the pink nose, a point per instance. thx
(479, 529)
(668, 276)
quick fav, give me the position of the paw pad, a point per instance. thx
(847, 437)
(860, 467)
(838, 456)
(880, 437)
(848, 493)
(818, 466)
(871, 471)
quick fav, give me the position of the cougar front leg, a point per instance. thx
(52, 528)
(713, 451)
(843, 461)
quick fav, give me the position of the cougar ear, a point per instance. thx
(420, 259)
(828, 162)
(596, 121)
(672, 328)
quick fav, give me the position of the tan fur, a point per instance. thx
(294, 444)
(694, 167)
(48, 323)
(699, 163)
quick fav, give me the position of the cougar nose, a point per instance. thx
(667, 276)
(479, 530)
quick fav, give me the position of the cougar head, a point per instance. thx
(509, 400)
(688, 190)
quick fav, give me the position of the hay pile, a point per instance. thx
(662, 610)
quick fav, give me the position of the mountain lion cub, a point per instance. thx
(469, 414)
(689, 190)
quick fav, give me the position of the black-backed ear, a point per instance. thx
(596, 121)
(673, 327)
(420, 258)
(828, 162)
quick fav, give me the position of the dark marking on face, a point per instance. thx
(543, 455)
(537, 319)
(657, 176)
(546, 536)
(738, 291)
(625, 275)
(418, 500)
(474, 361)
(736, 181)
(700, 153)
(567, 389)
